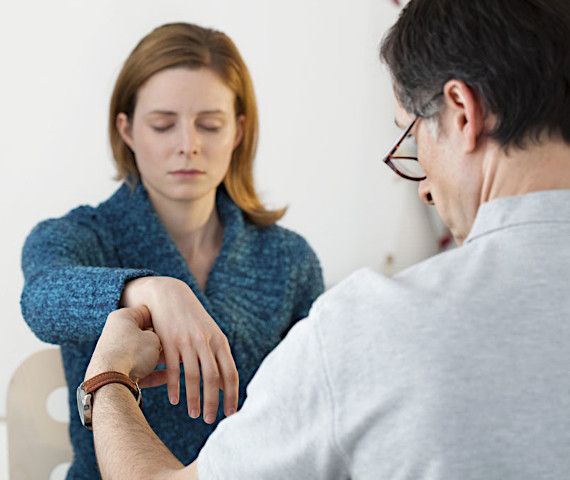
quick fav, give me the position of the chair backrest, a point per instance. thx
(37, 443)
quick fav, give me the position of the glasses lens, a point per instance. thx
(405, 158)
(410, 168)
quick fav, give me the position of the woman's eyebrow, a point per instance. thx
(160, 112)
(212, 112)
(171, 113)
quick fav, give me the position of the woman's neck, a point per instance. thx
(195, 228)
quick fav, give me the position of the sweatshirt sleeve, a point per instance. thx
(286, 428)
(69, 286)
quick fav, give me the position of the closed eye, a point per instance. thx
(161, 128)
(208, 128)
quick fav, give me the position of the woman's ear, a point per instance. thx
(466, 110)
(123, 125)
(240, 128)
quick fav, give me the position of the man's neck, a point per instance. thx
(536, 167)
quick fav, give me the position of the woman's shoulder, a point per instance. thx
(282, 236)
(264, 239)
(79, 219)
(289, 248)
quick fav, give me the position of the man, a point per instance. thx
(457, 368)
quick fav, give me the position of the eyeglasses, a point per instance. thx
(403, 156)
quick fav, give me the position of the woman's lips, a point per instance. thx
(190, 173)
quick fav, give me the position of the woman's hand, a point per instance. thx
(189, 335)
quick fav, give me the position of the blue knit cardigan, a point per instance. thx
(75, 268)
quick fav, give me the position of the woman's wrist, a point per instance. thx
(132, 292)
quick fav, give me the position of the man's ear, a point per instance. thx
(240, 127)
(123, 125)
(466, 111)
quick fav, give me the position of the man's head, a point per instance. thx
(512, 53)
(500, 66)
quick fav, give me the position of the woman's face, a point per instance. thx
(183, 132)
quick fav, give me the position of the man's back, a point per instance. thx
(468, 365)
(455, 369)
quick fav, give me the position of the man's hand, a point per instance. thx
(127, 345)
(189, 335)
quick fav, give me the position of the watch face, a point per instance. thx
(84, 406)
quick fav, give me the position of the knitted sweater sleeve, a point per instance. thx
(72, 281)
(306, 278)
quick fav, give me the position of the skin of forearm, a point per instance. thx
(125, 445)
(131, 293)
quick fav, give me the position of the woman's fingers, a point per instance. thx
(155, 379)
(189, 335)
(211, 382)
(230, 380)
(221, 374)
(172, 357)
(207, 358)
(192, 377)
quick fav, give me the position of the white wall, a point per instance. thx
(325, 109)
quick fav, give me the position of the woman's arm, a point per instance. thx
(68, 290)
(189, 335)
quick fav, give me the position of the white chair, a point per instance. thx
(37, 443)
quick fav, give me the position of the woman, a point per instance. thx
(185, 235)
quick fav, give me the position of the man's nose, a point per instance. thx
(424, 191)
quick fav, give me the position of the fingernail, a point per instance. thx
(210, 418)
(173, 399)
(194, 413)
(230, 411)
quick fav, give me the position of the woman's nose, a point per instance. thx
(190, 141)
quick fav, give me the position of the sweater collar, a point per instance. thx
(144, 242)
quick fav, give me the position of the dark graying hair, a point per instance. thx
(513, 54)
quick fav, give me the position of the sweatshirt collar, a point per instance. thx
(549, 206)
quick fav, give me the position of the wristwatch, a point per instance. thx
(88, 387)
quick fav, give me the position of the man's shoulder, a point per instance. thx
(367, 301)
(356, 299)
(366, 288)
(361, 283)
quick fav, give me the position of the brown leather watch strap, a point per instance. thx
(102, 379)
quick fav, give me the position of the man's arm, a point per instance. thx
(286, 429)
(126, 446)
